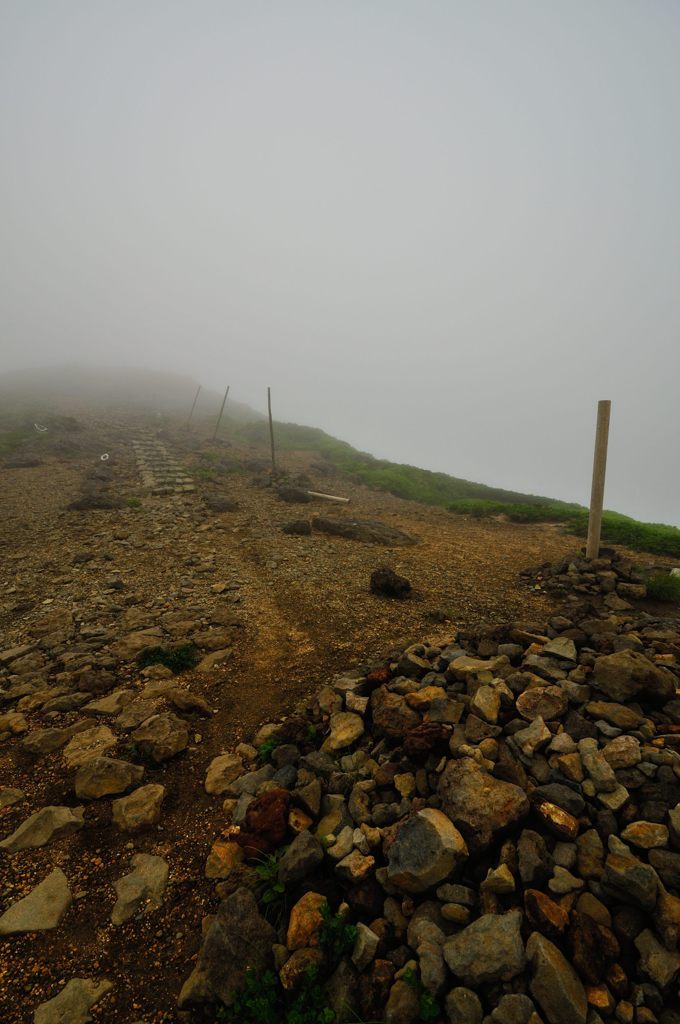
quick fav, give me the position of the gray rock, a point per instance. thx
(555, 985)
(488, 950)
(145, 884)
(364, 947)
(237, 939)
(73, 1004)
(512, 1009)
(42, 909)
(426, 850)
(659, 963)
(43, 827)
(222, 771)
(463, 1006)
(479, 804)
(303, 855)
(630, 880)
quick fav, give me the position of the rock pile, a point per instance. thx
(617, 578)
(493, 821)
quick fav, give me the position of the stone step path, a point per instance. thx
(159, 470)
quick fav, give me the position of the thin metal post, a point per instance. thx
(198, 391)
(597, 490)
(217, 425)
(271, 430)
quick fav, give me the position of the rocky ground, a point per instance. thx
(106, 818)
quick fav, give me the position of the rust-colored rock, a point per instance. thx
(545, 915)
(424, 738)
(594, 948)
(546, 702)
(391, 714)
(266, 822)
(374, 989)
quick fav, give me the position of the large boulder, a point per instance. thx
(478, 804)
(238, 939)
(628, 675)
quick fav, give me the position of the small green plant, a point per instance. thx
(177, 659)
(257, 1002)
(663, 587)
(267, 871)
(262, 1000)
(428, 1007)
(133, 503)
(336, 937)
(266, 749)
(312, 733)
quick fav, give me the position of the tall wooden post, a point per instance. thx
(219, 418)
(198, 391)
(599, 467)
(271, 431)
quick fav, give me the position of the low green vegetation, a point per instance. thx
(336, 936)
(616, 528)
(463, 496)
(266, 749)
(177, 659)
(263, 1000)
(663, 587)
(428, 1005)
(270, 890)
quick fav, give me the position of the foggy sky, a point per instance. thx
(438, 230)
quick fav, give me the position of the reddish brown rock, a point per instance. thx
(594, 948)
(391, 714)
(266, 822)
(545, 915)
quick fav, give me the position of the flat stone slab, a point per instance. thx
(73, 1004)
(42, 909)
(142, 888)
(43, 827)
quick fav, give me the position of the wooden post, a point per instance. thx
(599, 467)
(271, 431)
(217, 425)
(198, 391)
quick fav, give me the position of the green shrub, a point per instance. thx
(177, 659)
(663, 587)
(133, 503)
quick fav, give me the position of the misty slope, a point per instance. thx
(71, 388)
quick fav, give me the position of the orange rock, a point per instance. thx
(305, 921)
(298, 821)
(222, 859)
(557, 820)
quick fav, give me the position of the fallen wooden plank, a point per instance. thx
(328, 497)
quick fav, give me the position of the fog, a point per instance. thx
(441, 231)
